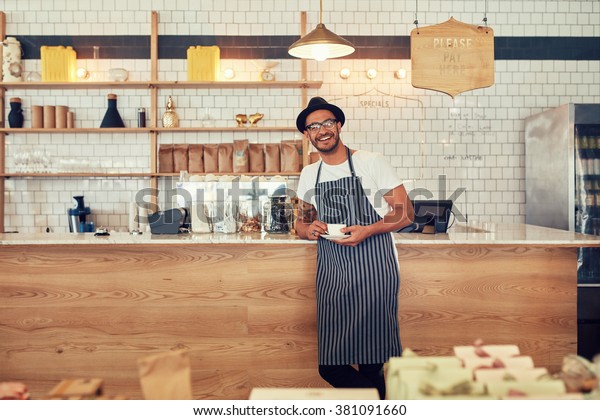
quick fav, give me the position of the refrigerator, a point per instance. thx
(562, 184)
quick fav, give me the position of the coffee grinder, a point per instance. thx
(77, 216)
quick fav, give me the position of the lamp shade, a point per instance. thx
(321, 44)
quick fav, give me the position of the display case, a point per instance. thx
(562, 149)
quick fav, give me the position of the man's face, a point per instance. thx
(324, 139)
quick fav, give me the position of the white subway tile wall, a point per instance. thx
(470, 148)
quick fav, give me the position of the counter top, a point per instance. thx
(460, 234)
(501, 234)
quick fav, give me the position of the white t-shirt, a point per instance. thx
(376, 174)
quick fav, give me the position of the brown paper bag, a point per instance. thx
(257, 157)
(299, 147)
(180, 157)
(240, 156)
(272, 158)
(77, 388)
(225, 158)
(195, 158)
(211, 158)
(291, 160)
(166, 376)
(165, 159)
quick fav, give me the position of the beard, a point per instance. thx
(323, 148)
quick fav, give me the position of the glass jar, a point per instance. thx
(226, 215)
(202, 217)
(278, 214)
(249, 220)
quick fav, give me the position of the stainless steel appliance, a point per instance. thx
(78, 216)
(562, 164)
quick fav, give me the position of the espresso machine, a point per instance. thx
(78, 215)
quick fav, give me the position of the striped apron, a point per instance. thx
(357, 287)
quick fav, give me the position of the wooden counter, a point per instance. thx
(83, 306)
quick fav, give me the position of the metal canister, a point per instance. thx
(141, 117)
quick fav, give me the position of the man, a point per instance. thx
(357, 276)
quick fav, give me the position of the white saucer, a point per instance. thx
(330, 237)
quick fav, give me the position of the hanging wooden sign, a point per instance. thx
(452, 57)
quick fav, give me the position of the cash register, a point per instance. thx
(431, 216)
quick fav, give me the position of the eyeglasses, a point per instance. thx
(316, 126)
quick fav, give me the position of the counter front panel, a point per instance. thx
(244, 307)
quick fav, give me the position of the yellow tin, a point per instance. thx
(59, 64)
(203, 63)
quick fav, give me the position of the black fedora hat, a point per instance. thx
(315, 104)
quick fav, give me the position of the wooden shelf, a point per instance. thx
(267, 174)
(77, 175)
(220, 129)
(74, 130)
(238, 84)
(75, 85)
(130, 174)
(143, 130)
(162, 84)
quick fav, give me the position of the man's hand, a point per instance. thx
(357, 235)
(316, 229)
(307, 225)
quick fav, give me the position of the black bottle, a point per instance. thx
(112, 118)
(15, 116)
(141, 117)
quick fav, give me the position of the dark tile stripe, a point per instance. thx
(275, 47)
(123, 47)
(547, 48)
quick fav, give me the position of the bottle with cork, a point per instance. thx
(112, 118)
(15, 116)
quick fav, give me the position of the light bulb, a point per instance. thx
(371, 73)
(400, 74)
(229, 74)
(320, 52)
(82, 73)
(345, 73)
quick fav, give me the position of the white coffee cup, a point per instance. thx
(334, 229)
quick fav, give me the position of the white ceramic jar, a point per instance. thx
(12, 69)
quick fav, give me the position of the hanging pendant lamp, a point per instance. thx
(321, 43)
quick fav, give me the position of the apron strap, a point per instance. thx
(349, 163)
